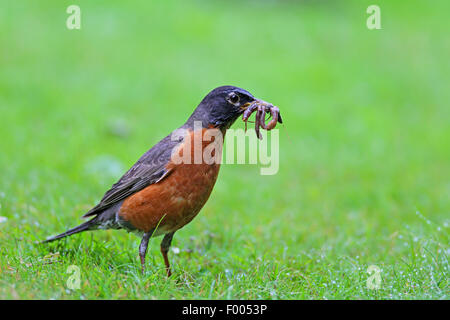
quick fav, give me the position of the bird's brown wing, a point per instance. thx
(149, 169)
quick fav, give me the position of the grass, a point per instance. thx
(364, 152)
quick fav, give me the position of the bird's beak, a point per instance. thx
(245, 106)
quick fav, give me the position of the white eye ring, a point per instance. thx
(234, 98)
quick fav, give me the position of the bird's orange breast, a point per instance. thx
(173, 202)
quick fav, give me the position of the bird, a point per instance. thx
(160, 194)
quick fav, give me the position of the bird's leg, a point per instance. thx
(143, 248)
(165, 245)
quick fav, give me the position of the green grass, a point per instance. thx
(365, 150)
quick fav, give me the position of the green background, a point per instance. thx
(364, 173)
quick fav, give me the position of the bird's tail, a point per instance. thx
(88, 225)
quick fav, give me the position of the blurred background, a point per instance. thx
(364, 150)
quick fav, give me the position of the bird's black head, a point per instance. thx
(221, 107)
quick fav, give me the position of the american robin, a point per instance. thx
(157, 195)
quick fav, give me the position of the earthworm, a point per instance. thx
(261, 111)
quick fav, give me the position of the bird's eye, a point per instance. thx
(234, 98)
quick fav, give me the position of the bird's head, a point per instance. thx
(222, 106)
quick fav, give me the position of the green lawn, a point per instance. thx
(364, 173)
